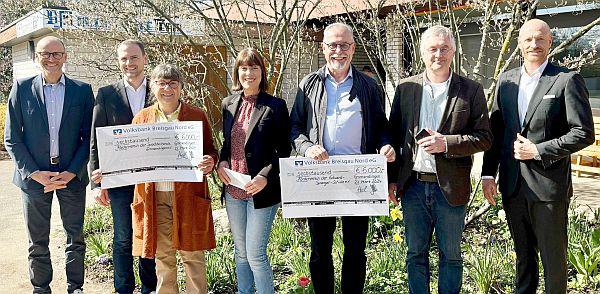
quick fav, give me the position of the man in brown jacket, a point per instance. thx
(438, 121)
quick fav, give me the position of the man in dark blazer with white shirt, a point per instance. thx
(47, 135)
(117, 104)
(541, 115)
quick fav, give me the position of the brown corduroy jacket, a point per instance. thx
(193, 227)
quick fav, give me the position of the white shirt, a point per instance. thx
(433, 104)
(527, 85)
(136, 97)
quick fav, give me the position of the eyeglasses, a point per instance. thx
(163, 85)
(46, 55)
(343, 46)
(443, 51)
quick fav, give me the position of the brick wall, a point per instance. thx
(394, 56)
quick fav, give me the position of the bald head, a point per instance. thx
(535, 25)
(535, 40)
(50, 56)
(49, 40)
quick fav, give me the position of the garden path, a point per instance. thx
(13, 242)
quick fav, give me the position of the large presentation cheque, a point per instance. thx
(158, 152)
(340, 186)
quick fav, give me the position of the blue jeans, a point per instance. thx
(37, 208)
(124, 281)
(426, 209)
(251, 229)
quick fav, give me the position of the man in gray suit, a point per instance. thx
(48, 135)
(541, 115)
(117, 104)
(438, 121)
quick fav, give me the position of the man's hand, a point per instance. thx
(490, 190)
(63, 177)
(43, 177)
(524, 148)
(317, 152)
(392, 193)
(207, 164)
(59, 181)
(434, 143)
(96, 176)
(101, 197)
(388, 152)
(53, 187)
(221, 172)
(256, 185)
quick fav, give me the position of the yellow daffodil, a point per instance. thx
(396, 214)
(397, 237)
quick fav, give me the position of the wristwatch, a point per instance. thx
(537, 157)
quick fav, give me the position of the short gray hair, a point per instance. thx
(338, 25)
(437, 30)
(166, 71)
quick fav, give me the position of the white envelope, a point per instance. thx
(549, 97)
(237, 179)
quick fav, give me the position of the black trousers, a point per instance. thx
(354, 264)
(538, 226)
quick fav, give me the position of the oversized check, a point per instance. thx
(340, 186)
(159, 152)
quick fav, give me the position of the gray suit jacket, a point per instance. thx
(27, 138)
(111, 109)
(558, 120)
(465, 124)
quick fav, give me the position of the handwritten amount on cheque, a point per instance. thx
(324, 178)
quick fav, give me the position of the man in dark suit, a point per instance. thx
(438, 121)
(117, 104)
(48, 135)
(541, 115)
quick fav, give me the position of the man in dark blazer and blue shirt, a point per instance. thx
(117, 104)
(438, 121)
(541, 115)
(48, 135)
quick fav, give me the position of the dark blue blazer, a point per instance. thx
(27, 138)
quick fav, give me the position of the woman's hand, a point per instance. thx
(221, 172)
(256, 185)
(207, 164)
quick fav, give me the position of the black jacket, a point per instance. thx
(111, 109)
(310, 111)
(266, 142)
(558, 121)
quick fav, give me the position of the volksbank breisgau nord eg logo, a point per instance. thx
(118, 132)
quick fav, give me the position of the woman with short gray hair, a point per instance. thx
(175, 216)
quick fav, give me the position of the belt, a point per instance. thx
(54, 160)
(425, 177)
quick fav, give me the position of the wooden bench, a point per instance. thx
(588, 159)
